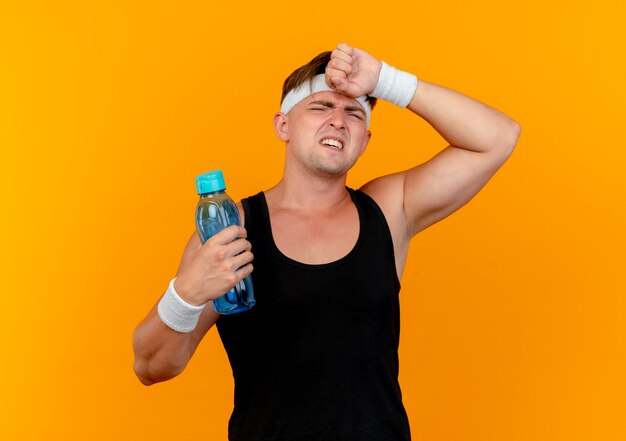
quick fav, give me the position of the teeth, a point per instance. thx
(333, 143)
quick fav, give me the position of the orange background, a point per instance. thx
(513, 309)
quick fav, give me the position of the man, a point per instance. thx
(316, 358)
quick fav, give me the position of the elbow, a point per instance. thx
(146, 381)
(141, 364)
(514, 132)
(508, 139)
(141, 372)
(155, 359)
(147, 376)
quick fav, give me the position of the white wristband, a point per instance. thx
(395, 86)
(176, 313)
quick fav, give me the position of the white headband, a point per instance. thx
(318, 84)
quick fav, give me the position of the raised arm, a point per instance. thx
(480, 139)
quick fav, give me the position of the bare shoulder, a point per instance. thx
(388, 193)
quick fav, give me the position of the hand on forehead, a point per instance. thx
(317, 85)
(352, 71)
(340, 65)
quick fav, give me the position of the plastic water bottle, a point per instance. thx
(216, 211)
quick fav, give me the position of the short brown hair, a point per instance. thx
(306, 73)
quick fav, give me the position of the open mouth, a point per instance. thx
(332, 143)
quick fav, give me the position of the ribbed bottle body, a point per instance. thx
(216, 211)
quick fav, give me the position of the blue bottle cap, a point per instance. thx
(210, 182)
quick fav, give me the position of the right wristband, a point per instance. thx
(395, 86)
(176, 313)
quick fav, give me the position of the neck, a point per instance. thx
(304, 191)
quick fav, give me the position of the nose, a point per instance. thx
(337, 119)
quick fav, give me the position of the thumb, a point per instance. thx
(338, 82)
(344, 86)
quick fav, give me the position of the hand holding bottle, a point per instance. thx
(209, 270)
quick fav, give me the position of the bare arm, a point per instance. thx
(480, 139)
(205, 273)
(162, 353)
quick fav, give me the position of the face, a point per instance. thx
(325, 133)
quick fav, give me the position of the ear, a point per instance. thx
(365, 142)
(280, 126)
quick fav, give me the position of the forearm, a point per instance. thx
(463, 121)
(160, 352)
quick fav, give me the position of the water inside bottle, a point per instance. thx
(213, 215)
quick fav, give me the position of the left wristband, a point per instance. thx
(395, 86)
(176, 313)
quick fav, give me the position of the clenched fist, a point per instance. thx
(352, 71)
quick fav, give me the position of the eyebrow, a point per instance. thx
(332, 106)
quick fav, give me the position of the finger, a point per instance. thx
(339, 64)
(345, 48)
(337, 54)
(336, 83)
(237, 247)
(228, 234)
(344, 86)
(243, 272)
(241, 260)
(333, 73)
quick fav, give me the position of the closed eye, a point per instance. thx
(326, 105)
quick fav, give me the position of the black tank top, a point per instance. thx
(317, 357)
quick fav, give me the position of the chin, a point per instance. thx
(330, 169)
(334, 172)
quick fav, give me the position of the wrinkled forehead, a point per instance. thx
(338, 99)
(316, 86)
